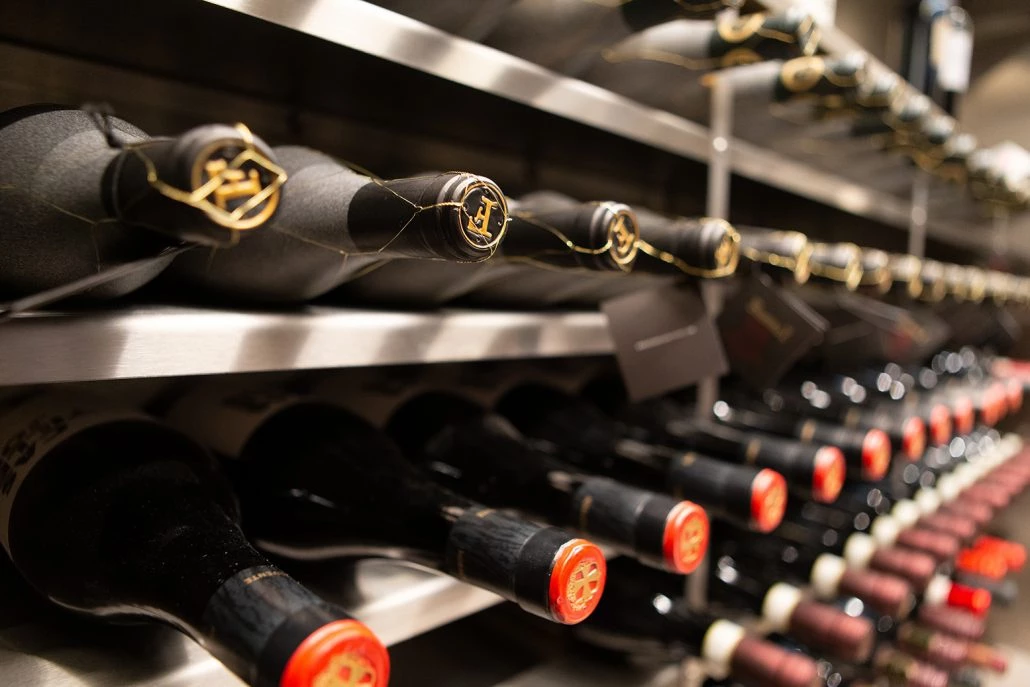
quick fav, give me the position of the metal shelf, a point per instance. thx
(378, 32)
(171, 341)
(402, 603)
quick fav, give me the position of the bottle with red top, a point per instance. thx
(316, 482)
(481, 455)
(812, 470)
(137, 511)
(867, 452)
(579, 433)
(638, 617)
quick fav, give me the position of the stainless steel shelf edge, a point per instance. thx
(376, 31)
(172, 341)
(390, 36)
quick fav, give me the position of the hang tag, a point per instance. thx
(664, 340)
(765, 330)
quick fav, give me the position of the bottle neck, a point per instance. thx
(315, 482)
(480, 454)
(149, 539)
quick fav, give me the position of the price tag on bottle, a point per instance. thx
(766, 329)
(664, 340)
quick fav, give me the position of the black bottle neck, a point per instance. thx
(132, 508)
(482, 455)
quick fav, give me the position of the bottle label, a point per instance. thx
(224, 419)
(31, 425)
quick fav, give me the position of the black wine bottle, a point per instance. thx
(867, 452)
(836, 264)
(634, 618)
(338, 223)
(813, 470)
(828, 575)
(905, 282)
(84, 192)
(316, 482)
(904, 430)
(660, 65)
(483, 456)
(781, 254)
(581, 434)
(565, 35)
(551, 243)
(876, 272)
(785, 609)
(135, 509)
(698, 247)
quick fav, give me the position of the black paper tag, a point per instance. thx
(765, 330)
(664, 340)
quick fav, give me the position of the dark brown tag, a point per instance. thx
(765, 330)
(664, 340)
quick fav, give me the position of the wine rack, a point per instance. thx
(145, 341)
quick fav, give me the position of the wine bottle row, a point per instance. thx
(95, 208)
(662, 53)
(851, 527)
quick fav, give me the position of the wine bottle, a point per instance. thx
(885, 529)
(338, 223)
(814, 471)
(859, 550)
(85, 192)
(876, 272)
(483, 456)
(953, 621)
(905, 281)
(552, 242)
(866, 452)
(778, 98)
(135, 509)
(947, 652)
(932, 276)
(828, 575)
(669, 249)
(660, 65)
(634, 618)
(696, 247)
(781, 254)
(550, 230)
(903, 430)
(566, 35)
(316, 482)
(580, 433)
(836, 264)
(784, 608)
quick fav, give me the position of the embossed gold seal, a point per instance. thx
(234, 183)
(623, 237)
(802, 74)
(583, 585)
(484, 215)
(347, 670)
